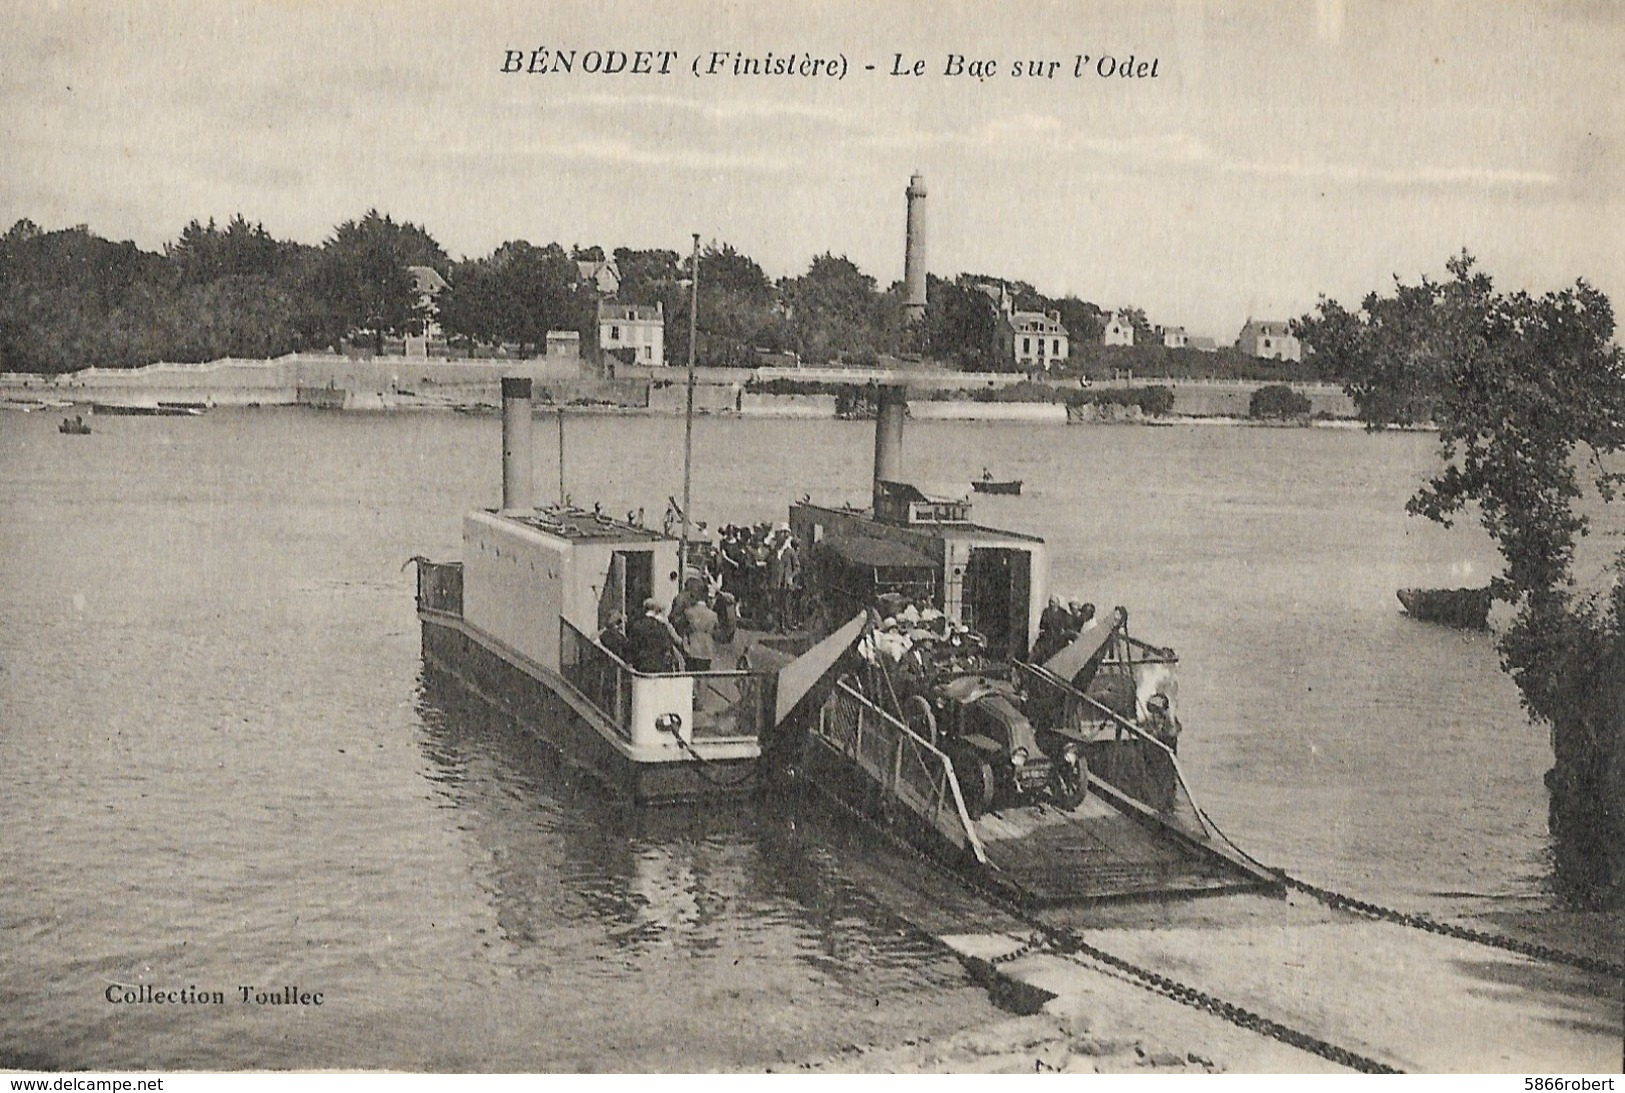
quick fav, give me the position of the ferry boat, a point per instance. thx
(923, 683)
(518, 622)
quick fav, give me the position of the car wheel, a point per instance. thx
(1069, 783)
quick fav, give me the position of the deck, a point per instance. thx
(1094, 852)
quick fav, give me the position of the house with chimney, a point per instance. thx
(604, 276)
(1029, 340)
(1118, 331)
(1270, 340)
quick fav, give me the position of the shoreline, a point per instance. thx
(944, 410)
(1072, 1018)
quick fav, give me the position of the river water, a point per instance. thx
(224, 770)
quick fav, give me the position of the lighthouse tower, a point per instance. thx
(914, 253)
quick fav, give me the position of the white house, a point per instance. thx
(604, 276)
(1269, 339)
(428, 284)
(1117, 332)
(1035, 339)
(1174, 337)
(634, 327)
(1031, 340)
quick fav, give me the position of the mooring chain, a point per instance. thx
(1068, 945)
(1237, 1015)
(1430, 925)
(1463, 933)
(746, 774)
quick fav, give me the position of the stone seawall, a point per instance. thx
(1038, 412)
(390, 382)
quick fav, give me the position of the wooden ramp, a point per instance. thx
(1096, 852)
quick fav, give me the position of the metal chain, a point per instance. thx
(1463, 933)
(1068, 945)
(1430, 925)
(745, 775)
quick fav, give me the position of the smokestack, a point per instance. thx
(914, 253)
(517, 495)
(890, 407)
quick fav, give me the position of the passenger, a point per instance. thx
(652, 644)
(786, 580)
(733, 557)
(727, 608)
(1055, 631)
(1160, 721)
(613, 636)
(889, 641)
(693, 592)
(700, 646)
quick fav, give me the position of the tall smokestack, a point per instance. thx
(914, 253)
(517, 495)
(890, 407)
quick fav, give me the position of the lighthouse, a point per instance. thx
(914, 253)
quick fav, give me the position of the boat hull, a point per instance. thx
(549, 707)
(983, 485)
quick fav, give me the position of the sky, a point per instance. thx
(1282, 151)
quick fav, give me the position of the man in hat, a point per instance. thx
(651, 644)
(613, 636)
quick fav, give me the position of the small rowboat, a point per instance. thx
(990, 485)
(1463, 608)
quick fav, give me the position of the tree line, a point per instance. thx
(71, 299)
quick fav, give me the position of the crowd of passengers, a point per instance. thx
(1059, 626)
(915, 646)
(751, 576)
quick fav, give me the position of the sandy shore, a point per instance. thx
(1418, 1002)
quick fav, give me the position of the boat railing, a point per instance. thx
(908, 768)
(1129, 651)
(440, 586)
(1063, 706)
(716, 706)
(602, 678)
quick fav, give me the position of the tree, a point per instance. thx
(1526, 392)
(362, 280)
(738, 311)
(1278, 402)
(649, 276)
(962, 323)
(834, 309)
(70, 299)
(205, 253)
(517, 295)
(1084, 322)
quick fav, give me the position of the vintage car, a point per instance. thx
(999, 756)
